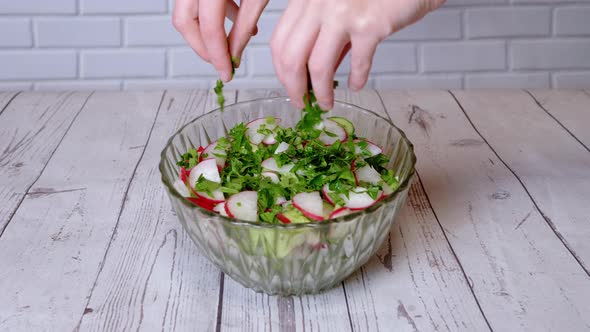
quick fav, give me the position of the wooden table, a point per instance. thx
(494, 236)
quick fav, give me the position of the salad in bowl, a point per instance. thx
(288, 202)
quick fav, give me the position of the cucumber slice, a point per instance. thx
(296, 216)
(344, 123)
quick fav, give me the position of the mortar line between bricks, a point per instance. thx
(34, 37)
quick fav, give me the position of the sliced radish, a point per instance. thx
(215, 197)
(335, 129)
(220, 208)
(270, 139)
(310, 204)
(373, 148)
(283, 146)
(352, 168)
(211, 152)
(253, 126)
(280, 200)
(200, 202)
(271, 165)
(181, 188)
(326, 191)
(207, 168)
(367, 174)
(359, 199)
(340, 212)
(243, 206)
(184, 174)
(283, 218)
(274, 178)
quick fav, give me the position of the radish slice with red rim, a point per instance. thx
(211, 151)
(207, 168)
(220, 208)
(243, 206)
(336, 133)
(340, 212)
(254, 126)
(359, 199)
(310, 204)
(326, 191)
(372, 148)
(215, 197)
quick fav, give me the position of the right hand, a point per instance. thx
(315, 35)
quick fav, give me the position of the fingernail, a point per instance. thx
(327, 106)
(225, 76)
(297, 104)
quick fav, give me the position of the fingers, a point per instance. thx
(279, 37)
(211, 17)
(245, 25)
(325, 58)
(231, 10)
(184, 20)
(343, 54)
(361, 58)
(291, 61)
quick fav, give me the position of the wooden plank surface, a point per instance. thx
(31, 127)
(154, 277)
(56, 242)
(246, 310)
(554, 167)
(5, 99)
(523, 277)
(414, 282)
(571, 108)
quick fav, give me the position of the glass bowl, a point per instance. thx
(290, 259)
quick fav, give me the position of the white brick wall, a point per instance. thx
(131, 44)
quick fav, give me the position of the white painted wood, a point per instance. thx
(522, 276)
(31, 128)
(414, 281)
(570, 107)
(553, 166)
(5, 98)
(53, 248)
(246, 310)
(154, 277)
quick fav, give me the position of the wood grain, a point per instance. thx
(245, 310)
(31, 128)
(554, 167)
(414, 281)
(571, 108)
(522, 276)
(56, 242)
(154, 277)
(5, 99)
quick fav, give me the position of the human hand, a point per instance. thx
(315, 35)
(200, 22)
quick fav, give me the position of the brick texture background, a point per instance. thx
(131, 44)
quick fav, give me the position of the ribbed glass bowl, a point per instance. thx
(288, 259)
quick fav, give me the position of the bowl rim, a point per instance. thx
(343, 219)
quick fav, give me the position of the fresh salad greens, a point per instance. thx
(265, 172)
(218, 89)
